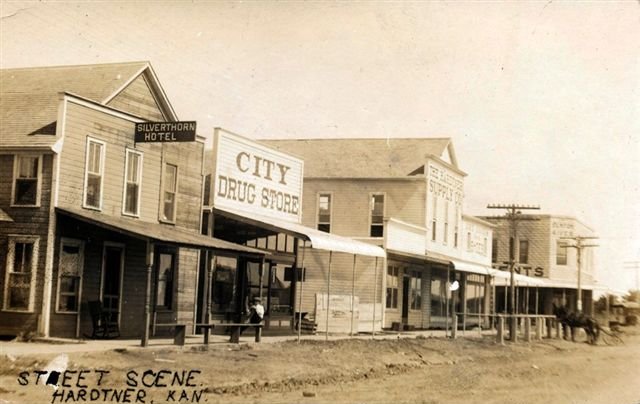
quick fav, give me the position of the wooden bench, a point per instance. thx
(180, 332)
(235, 330)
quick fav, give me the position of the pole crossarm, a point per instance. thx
(514, 216)
(578, 245)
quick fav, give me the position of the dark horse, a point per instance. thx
(577, 320)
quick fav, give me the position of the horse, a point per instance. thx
(578, 320)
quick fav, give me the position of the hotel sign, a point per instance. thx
(255, 179)
(165, 132)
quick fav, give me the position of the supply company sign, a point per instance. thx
(255, 179)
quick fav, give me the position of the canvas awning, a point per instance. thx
(156, 231)
(503, 278)
(471, 268)
(565, 284)
(318, 239)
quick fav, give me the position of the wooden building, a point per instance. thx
(95, 223)
(406, 196)
(542, 250)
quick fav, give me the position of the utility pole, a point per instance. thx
(514, 216)
(579, 246)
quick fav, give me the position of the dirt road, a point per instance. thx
(417, 370)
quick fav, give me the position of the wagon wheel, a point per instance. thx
(612, 338)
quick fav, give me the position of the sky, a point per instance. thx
(540, 98)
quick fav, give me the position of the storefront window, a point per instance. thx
(392, 287)
(438, 295)
(474, 293)
(224, 290)
(20, 279)
(416, 290)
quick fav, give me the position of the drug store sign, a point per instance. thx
(255, 179)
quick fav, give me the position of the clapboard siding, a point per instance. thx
(138, 99)
(188, 157)
(316, 263)
(351, 205)
(117, 133)
(28, 221)
(187, 278)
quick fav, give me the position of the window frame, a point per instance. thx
(318, 223)
(445, 239)
(172, 289)
(78, 243)
(16, 169)
(561, 247)
(434, 219)
(415, 289)
(12, 239)
(384, 212)
(522, 242)
(396, 275)
(164, 190)
(140, 155)
(86, 172)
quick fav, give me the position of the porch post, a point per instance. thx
(326, 337)
(147, 298)
(353, 291)
(301, 287)
(375, 296)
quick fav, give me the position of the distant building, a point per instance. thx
(541, 250)
(405, 195)
(95, 225)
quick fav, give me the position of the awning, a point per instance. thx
(565, 284)
(4, 216)
(318, 239)
(471, 268)
(503, 278)
(155, 231)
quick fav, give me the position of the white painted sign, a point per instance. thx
(252, 178)
(445, 183)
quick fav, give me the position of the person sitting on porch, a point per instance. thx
(256, 311)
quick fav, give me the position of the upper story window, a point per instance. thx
(377, 215)
(26, 180)
(494, 250)
(523, 252)
(132, 183)
(94, 171)
(446, 223)
(434, 216)
(561, 253)
(20, 278)
(469, 242)
(456, 230)
(324, 212)
(170, 185)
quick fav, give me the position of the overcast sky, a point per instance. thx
(541, 99)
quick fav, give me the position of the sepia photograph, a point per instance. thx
(431, 202)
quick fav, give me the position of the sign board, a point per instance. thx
(255, 179)
(165, 132)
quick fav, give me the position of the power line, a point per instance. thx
(514, 216)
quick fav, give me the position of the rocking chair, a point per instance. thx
(105, 323)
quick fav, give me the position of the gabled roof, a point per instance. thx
(29, 97)
(366, 158)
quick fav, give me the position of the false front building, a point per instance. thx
(545, 248)
(406, 196)
(96, 227)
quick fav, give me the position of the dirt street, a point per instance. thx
(415, 370)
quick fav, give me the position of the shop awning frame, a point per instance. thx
(157, 232)
(520, 280)
(318, 239)
(470, 268)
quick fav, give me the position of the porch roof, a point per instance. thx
(470, 267)
(318, 239)
(156, 231)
